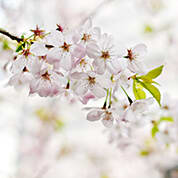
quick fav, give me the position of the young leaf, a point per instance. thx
(153, 90)
(59, 124)
(144, 152)
(19, 48)
(154, 73)
(154, 130)
(5, 45)
(138, 91)
(166, 119)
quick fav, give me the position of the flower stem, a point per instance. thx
(105, 103)
(128, 97)
(110, 94)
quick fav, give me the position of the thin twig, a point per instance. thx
(12, 37)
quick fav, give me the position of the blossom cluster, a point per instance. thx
(86, 64)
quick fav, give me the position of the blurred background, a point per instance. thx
(50, 138)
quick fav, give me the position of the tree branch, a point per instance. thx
(12, 37)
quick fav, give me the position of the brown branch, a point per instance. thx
(12, 37)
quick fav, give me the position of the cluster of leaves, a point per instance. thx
(146, 82)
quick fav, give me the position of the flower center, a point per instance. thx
(46, 76)
(25, 69)
(66, 47)
(91, 80)
(108, 116)
(26, 52)
(130, 55)
(105, 55)
(86, 37)
(83, 62)
(125, 106)
(42, 57)
(166, 107)
(38, 32)
(59, 28)
(166, 132)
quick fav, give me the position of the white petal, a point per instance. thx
(79, 51)
(80, 88)
(79, 75)
(19, 64)
(94, 115)
(140, 106)
(140, 49)
(96, 33)
(108, 121)
(66, 62)
(98, 91)
(99, 66)
(92, 50)
(38, 49)
(55, 38)
(136, 67)
(86, 98)
(104, 81)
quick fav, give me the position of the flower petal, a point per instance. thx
(98, 91)
(94, 115)
(38, 49)
(140, 49)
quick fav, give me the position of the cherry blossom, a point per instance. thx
(104, 54)
(105, 115)
(46, 82)
(134, 58)
(87, 33)
(62, 47)
(89, 82)
(84, 65)
(22, 60)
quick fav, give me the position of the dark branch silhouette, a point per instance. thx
(12, 37)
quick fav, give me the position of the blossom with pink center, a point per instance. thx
(22, 60)
(87, 33)
(104, 54)
(46, 82)
(89, 82)
(134, 58)
(64, 49)
(105, 115)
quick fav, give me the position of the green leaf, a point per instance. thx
(19, 48)
(154, 130)
(59, 125)
(153, 90)
(138, 91)
(148, 29)
(144, 153)
(146, 79)
(166, 119)
(5, 45)
(154, 73)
